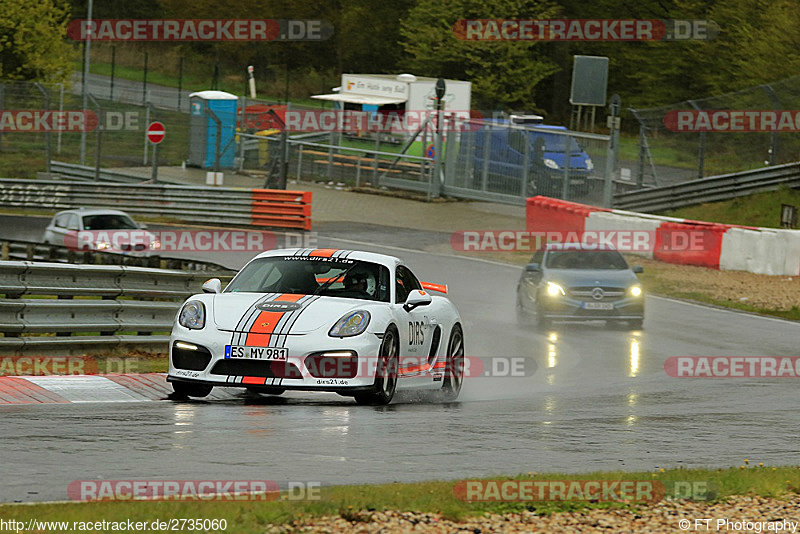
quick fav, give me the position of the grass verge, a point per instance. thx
(428, 497)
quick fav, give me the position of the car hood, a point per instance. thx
(230, 310)
(591, 277)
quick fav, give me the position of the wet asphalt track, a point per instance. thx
(598, 400)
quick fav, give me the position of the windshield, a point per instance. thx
(585, 259)
(108, 222)
(556, 143)
(307, 275)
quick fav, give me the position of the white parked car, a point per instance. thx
(102, 230)
(355, 323)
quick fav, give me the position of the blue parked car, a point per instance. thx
(548, 153)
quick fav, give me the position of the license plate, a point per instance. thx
(598, 306)
(256, 353)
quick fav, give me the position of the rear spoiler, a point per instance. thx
(441, 288)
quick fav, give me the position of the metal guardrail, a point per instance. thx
(710, 189)
(34, 251)
(117, 305)
(185, 203)
(83, 172)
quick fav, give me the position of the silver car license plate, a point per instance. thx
(598, 306)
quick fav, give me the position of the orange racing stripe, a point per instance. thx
(266, 321)
(323, 252)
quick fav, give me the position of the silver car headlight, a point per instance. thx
(352, 324)
(554, 290)
(550, 163)
(193, 315)
(635, 291)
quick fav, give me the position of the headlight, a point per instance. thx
(635, 291)
(102, 245)
(155, 244)
(550, 163)
(554, 290)
(589, 164)
(351, 324)
(193, 315)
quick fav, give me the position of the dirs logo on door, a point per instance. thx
(416, 334)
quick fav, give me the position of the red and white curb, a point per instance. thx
(142, 387)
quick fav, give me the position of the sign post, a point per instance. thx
(441, 90)
(155, 134)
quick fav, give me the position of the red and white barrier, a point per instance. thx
(719, 246)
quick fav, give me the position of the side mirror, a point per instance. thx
(212, 286)
(532, 268)
(417, 298)
(638, 269)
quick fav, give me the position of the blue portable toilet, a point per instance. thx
(203, 128)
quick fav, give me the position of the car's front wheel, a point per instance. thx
(385, 373)
(454, 370)
(185, 389)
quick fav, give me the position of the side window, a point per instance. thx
(61, 221)
(405, 283)
(72, 222)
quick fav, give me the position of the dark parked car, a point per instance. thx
(578, 284)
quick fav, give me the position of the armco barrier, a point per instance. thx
(282, 209)
(120, 305)
(726, 247)
(184, 203)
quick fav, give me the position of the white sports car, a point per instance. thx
(355, 323)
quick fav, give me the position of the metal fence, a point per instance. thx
(53, 306)
(509, 163)
(664, 157)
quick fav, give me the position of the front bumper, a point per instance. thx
(304, 369)
(569, 308)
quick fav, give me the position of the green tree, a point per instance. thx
(504, 74)
(33, 40)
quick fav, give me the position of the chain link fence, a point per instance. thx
(663, 157)
(482, 160)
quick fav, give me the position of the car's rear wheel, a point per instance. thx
(185, 389)
(385, 373)
(454, 370)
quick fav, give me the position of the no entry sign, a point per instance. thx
(156, 132)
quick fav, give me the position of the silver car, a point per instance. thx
(578, 284)
(103, 230)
